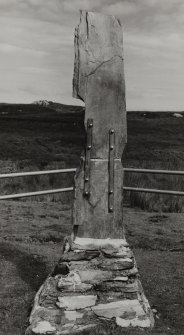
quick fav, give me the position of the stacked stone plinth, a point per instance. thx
(95, 282)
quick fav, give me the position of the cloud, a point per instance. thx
(122, 8)
(37, 54)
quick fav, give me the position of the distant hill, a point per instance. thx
(49, 109)
(43, 103)
(57, 106)
(38, 108)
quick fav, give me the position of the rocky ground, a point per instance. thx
(31, 237)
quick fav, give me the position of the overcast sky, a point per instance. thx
(37, 54)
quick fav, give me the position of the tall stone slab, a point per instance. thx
(95, 287)
(99, 82)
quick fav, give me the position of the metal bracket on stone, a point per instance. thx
(88, 157)
(111, 171)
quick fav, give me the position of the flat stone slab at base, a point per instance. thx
(92, 293)
(44, 327)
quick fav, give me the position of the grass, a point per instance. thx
(31, 237)
(156, 142)
(34, 138)
(32, 231)
(155, 202)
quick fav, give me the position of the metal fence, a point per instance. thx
(171, 172)
(69, 189)
(152, 190)
(35, 173)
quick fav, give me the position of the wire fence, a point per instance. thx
(73, 170)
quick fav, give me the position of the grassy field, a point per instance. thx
(32, 231)
(34, 138)
(156, 141)
(31, 236)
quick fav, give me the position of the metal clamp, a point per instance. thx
(111, 171)
(88, 157)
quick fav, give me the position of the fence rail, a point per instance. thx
(68, 189)
(153, 190)
(30, 194)
(35, 173)
(36, 193)
(171, 172)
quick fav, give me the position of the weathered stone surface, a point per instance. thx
(70, 329)
(36, 304)
(48, 294)
(73, 315)
(44, 327)
(51, 315)
(134, 322)
(79, 265)
(76, 302)
(99, 81)
(72, 283)
(119, 309)
(120, 253)
(98, 244)
(91, 214)
(80, 255)
(95, 276)
(130, 273)
(124, 279)
(99, 78)
(118, 295)
(117, 286)
(116, 264)
(75, 311)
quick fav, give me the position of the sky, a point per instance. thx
(37, 50)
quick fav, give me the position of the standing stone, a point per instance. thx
(99, 82)
(96, 285)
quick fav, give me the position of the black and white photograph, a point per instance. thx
(91, 167)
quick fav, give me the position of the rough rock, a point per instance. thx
(70, 329)
(76, 302)
(73, 315)
(116, 264)
(98, 244)
(124, 279)
(80, 255)
(44, 327)
(117, 285)
(135, 322)
(99, 77)
(111, 253)
(72, 283)
(119, 308)
(80, 266)
(120, 300)
(95, 276)
(99, 82)
(131, 272)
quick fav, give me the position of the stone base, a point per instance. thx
(95, 284)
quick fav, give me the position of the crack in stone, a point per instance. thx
(104, 62)
(87, 25)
